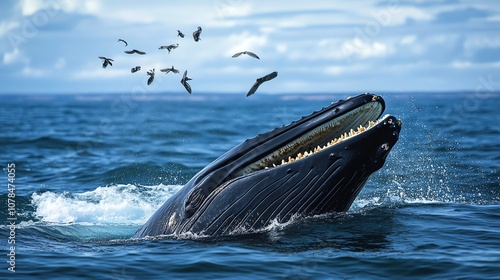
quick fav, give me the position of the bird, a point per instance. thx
(135, 69)
(184, 82)
(247, 53)
(180, 34)
(106, 61)
(135, 51)
(169, 47)
(121, 40)
(261, 80)
(196, 34)
(151, 74)
(171, 69)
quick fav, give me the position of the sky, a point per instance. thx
(320, 46)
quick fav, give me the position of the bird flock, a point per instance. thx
(184, 81)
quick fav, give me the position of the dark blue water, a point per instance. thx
(90, 169)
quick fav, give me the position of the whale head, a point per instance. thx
(315, 165)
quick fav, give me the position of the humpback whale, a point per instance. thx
(315, 165)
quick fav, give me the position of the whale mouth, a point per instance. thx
(315, 165)
(322, 136)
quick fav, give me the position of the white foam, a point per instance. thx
(117, 204)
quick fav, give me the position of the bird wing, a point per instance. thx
(121, 40)
(254, 88)
(174, 70)
(269, 76)
(261, 80)
(166, 70)
(129, 52)
(187, 86)
(162, 47)
(150, 80)
(185, 83)
(237, 54)
(139, 52)
(252, 55)
(196, 35)
(102, 57)
(109, 61)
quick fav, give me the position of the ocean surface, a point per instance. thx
(91, 169)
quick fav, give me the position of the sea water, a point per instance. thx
(89, 170)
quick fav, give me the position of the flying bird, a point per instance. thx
(171, 69)
(106, 61)
(135, 51)
(135, 69)
(247, 53)
(184, 82)
(196, 34)
(180, 34)
(261, 80)
(121, 40)
(151, 74)
(169, 47)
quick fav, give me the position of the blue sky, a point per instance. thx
(319, 46)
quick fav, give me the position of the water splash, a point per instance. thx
(116, 204)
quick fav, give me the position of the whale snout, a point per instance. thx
(389, 130)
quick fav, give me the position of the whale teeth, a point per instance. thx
(334, 141)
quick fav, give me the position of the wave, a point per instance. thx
(117, 204)
(116, 211)
(52, 142)
(106, 213)
(148, 174)
(129, 204)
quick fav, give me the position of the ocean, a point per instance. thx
(81, 173)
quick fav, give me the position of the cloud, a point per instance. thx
(13, 57)
(461, 15)
(334, 70)
(364, 49)
(7, 26)
(351, 68)
(107, 73)
(408, 40)
(231, 8)
(245, 41)
(34, 72)
(31, 7)
(312, 45)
